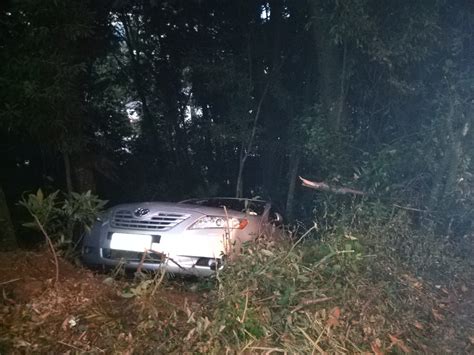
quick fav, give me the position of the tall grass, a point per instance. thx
(334, 296)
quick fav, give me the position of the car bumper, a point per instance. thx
(188, 252)
(175, 264)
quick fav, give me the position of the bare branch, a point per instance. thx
(322, 186)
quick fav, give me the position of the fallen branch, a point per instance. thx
(9, 281)
(322, 186)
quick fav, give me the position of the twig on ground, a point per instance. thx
(70, 345)
(268, 350)
(310, 302)
(9, 281)
(314, 343)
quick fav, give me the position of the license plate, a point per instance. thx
(131, 242)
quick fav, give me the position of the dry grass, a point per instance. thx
(274, 299)
(85, 312)
(340, 296)
(330, 297)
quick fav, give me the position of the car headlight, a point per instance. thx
(210, 222)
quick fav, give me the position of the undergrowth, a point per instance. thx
(315, 297)
(366, 283)
(355, 286)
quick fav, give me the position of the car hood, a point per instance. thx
(155, 207)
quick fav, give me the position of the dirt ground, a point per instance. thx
(90, 312)
(454, 330)
(85, 311)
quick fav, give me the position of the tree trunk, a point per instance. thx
(84, 173)
(445, 178)
(331, 69)
(295, 159)
(67, 171)
(247, 147)
(7, 232)
(239, 189)
(275, 118)
(148, 123)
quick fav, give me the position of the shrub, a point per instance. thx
(63, 219)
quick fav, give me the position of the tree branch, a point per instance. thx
(322, 186)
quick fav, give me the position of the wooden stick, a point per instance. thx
(9, 281)
(70, 345)
(322, 186)
(310, 302)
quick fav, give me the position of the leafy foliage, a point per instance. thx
(343, 293)
(157, 100)
(346, 292)
(139, 100)
(64, 220)
(148, 100)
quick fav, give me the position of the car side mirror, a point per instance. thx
(277, 219)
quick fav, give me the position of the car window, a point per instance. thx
(253, 207)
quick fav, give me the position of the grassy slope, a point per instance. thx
(347, 295)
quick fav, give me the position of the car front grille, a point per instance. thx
(160, 221)
(124, 255)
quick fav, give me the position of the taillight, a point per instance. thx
(243, 223)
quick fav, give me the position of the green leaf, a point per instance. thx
(39, 195)
(32, 225)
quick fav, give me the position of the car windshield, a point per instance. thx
(252, 207)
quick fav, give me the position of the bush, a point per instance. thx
(282, 296)
(344, 288)
(63, 219)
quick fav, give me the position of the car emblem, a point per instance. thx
(139, 212)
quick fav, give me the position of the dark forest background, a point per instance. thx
(165, 100)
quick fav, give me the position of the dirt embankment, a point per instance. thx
(89, 312)
(84, 312)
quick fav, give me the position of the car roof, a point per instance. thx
(224, 198)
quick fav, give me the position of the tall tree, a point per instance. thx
(46, 54)
(7, 233)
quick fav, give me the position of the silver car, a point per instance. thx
(190, 237)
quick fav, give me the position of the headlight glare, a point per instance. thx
(211, 222)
